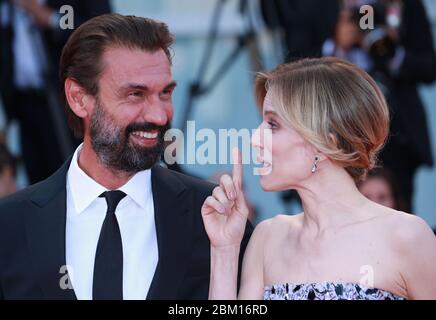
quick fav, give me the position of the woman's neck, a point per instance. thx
(330, 200)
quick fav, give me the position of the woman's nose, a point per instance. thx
(255, 138)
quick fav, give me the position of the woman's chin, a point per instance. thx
(266, 185)
(269, 184)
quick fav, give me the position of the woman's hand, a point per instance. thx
(225, 212)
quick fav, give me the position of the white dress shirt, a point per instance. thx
(85, 215)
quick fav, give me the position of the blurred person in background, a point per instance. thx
(305, 24)
(7, 171)
(398, 52)
(381, 187)
(30, 47)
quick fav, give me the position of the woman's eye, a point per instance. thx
(272, 125)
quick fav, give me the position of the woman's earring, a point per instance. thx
(315, 164)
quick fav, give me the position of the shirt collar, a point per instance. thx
(138, 188)
(85, 190)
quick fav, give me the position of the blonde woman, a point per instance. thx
(328, 120)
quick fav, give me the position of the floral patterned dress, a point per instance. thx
(327, 291)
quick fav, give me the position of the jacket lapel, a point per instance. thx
(45, 230)
(174, 224)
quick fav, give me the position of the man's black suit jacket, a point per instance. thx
(32, 239)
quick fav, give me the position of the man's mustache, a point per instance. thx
(146, 126)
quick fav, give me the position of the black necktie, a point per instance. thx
(108, 266)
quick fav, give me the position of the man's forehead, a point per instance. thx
(136, 65)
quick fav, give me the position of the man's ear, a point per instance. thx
(77, 98)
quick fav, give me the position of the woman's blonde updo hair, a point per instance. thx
(334, 105)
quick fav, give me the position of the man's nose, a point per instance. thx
(156, 112)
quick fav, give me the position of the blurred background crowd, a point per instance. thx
(220, 44)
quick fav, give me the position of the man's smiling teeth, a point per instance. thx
(144, 134)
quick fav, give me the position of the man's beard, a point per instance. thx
(114, 148)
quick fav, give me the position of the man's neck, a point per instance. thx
(89, 162)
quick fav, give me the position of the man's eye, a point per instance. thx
(166, 94)
(136, 94)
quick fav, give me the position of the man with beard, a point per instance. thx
(110, 223)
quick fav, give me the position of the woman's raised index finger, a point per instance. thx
(237, 168)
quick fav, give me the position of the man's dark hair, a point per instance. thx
(82, 54)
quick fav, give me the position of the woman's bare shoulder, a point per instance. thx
(405, 229)
(411, 228)
(276, 225)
